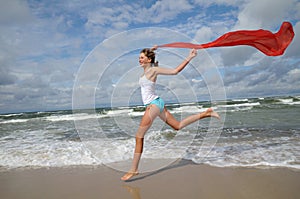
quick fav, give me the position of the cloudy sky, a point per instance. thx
(49, 49)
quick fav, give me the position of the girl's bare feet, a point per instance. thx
(129, 175)
(211, 113)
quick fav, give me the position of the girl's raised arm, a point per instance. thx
(180, 67)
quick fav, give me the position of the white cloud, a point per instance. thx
(294, 48)
(219, 2)
(264, 13)
(256, 80)
(293, 76)
(14, 11)
(204, 34)
(108, 20)
(164, 10)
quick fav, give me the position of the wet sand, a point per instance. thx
(182, 179)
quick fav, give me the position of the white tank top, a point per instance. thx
(147, 89)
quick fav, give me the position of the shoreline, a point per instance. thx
(182, 179)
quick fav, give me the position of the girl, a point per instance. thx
(155, 106)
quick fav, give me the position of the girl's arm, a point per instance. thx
(174, 71)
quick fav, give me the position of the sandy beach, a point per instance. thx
(182, 179)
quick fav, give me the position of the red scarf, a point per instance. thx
(271, 44)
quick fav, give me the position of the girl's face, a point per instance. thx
(143, 59)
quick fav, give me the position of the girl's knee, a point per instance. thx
(177, 128)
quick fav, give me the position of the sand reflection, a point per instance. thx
(134, 191)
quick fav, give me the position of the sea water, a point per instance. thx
(257, 132)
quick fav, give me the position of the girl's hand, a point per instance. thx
(154, 48)
(193, 53)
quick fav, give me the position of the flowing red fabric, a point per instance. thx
(271, 44)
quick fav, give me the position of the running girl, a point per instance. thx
(155, 106)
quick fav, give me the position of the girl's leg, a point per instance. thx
(177, 125)
(151, 112)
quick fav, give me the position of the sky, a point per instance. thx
(54, 54)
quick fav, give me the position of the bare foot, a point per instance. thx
(211, 113)
(129, 175)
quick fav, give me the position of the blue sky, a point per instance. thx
(44, 45)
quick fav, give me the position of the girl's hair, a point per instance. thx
(151, 55)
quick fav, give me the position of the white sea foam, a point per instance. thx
(119, 112)
(286, 101)
(54, 154)
(240, 100)
(239, 105)
(73, 117)
(35, 151)
(13, 114)
(187, 109)
(136, 113)
(289, 101)
(13, 121)
(252, 154)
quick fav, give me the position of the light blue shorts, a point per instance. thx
(158, 102)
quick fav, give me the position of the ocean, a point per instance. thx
(255, 132)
